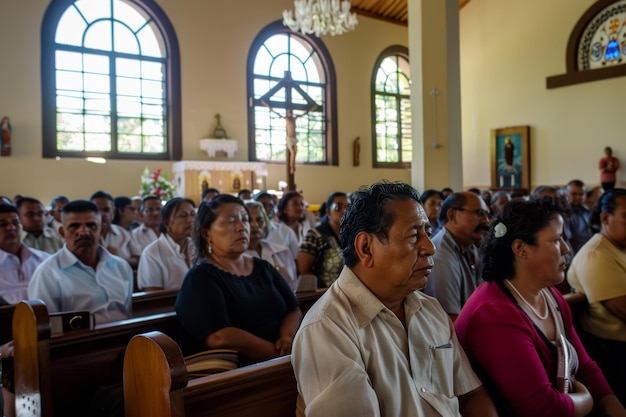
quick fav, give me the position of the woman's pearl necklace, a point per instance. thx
(539, 316)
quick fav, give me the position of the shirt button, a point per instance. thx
(423, 389)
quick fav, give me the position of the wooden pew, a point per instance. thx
(74, 365)
(156, 385)
(58, 375)
(146, 303)
(6, 323)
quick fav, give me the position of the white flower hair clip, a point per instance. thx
(499, 230)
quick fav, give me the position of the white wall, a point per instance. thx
(508, 48)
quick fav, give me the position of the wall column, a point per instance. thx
(435, 94)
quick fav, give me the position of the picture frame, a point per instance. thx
(510, 158)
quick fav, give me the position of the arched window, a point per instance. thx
(596, 49)
(110, 80)
(391, 109)
(291, 89)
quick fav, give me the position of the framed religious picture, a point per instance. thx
(510, 158)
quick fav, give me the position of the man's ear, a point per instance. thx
(604, 218)
(62, 232)
(363, 245)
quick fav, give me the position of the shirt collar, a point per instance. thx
(365, 304)
(67, 258)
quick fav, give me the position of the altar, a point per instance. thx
(192, 177)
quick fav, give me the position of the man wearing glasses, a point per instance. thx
(456, 273)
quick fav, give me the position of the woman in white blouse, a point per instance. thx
(277, 255)
(164, 262)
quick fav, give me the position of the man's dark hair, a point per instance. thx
(542, 190)
(59, 198)
(576, 183)
(79, 206)
(101, 194)
(261, 194)
(245, 190)
(148, 198)
(209, 190)
(368, 213)
(453, 201)
(25, 200)
(8, 208)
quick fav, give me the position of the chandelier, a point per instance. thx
(320, 17)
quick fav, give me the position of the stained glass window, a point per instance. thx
(603, 43)
(114, 67)
(391, 109)
(290, 72)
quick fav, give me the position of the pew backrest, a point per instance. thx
(58, 375)
(146, 303)
(156, 385)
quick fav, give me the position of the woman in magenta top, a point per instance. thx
(512, 324)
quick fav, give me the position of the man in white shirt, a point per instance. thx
(34, 232)
(148, 231)
(114, 238)
(373, 345)
(17, 261)
(83, 275)
(56, 205)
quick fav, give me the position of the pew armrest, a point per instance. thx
(154, 376)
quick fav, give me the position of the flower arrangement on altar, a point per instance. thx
(157, 183)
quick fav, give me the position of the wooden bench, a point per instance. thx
(6, 323)
(156, 385)
(70, 367)
(58, 375)
(146, 303)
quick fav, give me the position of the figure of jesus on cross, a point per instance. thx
(289, 106)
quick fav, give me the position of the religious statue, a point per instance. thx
(5, 149)
(290, 133)
(509, 148)
(356, 151)
(219, 132)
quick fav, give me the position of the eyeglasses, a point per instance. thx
(339, 206)
(152, 209)
(480, 213)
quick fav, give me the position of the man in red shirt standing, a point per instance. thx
(608, 167)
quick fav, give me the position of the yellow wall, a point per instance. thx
(508, 48)
(214, 39)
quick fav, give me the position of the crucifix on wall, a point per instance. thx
(290, 116)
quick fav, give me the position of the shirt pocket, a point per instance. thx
(442, 367)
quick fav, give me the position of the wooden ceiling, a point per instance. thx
(395, 11)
